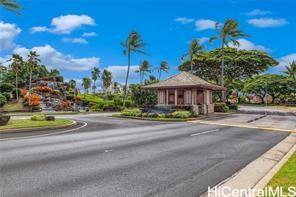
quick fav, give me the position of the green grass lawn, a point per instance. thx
(16, 124)
(286, 177)
(153, 119)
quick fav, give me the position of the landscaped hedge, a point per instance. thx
(3, 100)
(220, 107)
(131, 112)
(38, 117)
(181, 114)
(7, 95)
(6, 87)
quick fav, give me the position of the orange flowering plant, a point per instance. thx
(33, 99)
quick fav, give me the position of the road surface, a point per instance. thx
(121, 157)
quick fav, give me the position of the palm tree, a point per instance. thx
(144, 68)
(72, 83)
(33, 63)
(54, 72)
(194, 49)
(95, 74)
(291, 70)
(17, 62)
(229, 32)
(107, 79)
(116, 87)
(86, 84)
(133, 43)
(11, 5)
(164, 66)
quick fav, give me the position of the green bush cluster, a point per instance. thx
(3, 100)
(38, 117)
(6, 87)
(181, 114)
(131, 112)
(135, 112)
(221, 107)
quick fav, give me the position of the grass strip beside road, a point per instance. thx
(154, 119)
(22, 124)
(286, 176)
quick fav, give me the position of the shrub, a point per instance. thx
(96, 108)
(181, 114)
(6, 87)
(38, 117)
(33, 99)
(232, 107)
(3, 100)
(129, 103)
(50, 118)
(220, 107)
(19, 92)
(145, 115)
(161, 115)
(7, 95)
(131, 112)
(4, 120)
(152, 115)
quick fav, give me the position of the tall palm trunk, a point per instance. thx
(30, 87)
(16, 86)
(127, 74)
(159, 75)
(222, 73)
(94, 89)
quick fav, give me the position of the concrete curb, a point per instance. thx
(74, 123)
(257, 173)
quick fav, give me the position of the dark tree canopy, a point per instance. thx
(239, 64)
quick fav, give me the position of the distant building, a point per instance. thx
(185, 89)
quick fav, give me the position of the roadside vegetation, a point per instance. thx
(286, 177)
(136, 113)
(28, 123)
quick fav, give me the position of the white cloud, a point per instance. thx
(8, 33)
(89, 34)
(248, 45)
(119, 73)
(204, 24)
(54, 59)
(257, 12)
(267, 22)
(65, 24)
(283, 62)
(184, 20)
(204, 39)
(75, 40)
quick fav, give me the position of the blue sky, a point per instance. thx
(75, 36)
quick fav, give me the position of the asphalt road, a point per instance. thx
(120, 157)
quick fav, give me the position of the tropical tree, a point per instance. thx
(291, 70)
(194, 49)
(239, 64)
(107, 79)
(17, 62)
(95, 74)
(164, 67)
(72, 83)
(144, 68)
(116, 87)
(33, 62)
(86, 82)
(54, 72)
(11, 5)
(228, 33)
(133, 43)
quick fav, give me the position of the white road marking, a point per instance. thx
(204, 132)
(42, 135)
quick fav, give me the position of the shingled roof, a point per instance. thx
(184, 80)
